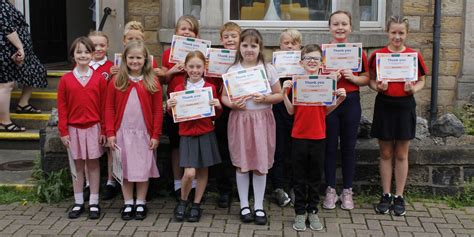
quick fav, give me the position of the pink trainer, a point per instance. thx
(346, 199)
(331, 198)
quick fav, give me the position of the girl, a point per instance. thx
(343, 122)
(251, 128)
(102, 65)
(81, 101)
(186, 26)
(133, 117)
(394, 120)
(198, 147)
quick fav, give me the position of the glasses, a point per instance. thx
(308, 59)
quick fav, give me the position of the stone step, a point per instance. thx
(32, 121)
(41, 100)
(28, 140)
(54, 76)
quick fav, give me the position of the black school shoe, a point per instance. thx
(73, 214)
(180, 210)
(260, 220)
(385, 204)
(110, 191)
(94, 214)
(246, 218)
(224, 200)
(126, 216)
(140, 215)
(195, 213)
(398, 206)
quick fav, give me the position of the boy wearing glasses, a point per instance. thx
(308, 144)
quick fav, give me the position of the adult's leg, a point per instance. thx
(386, 156)
(5, 97)
(401, 165)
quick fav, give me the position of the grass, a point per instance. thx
(23, 195)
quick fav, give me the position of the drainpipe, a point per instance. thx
(107, 12)
(435, 66)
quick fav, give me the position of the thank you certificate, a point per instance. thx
(287, 63)
(181, 46)
(397, 67)
(218, 61)
(342, 56)
(192, 104)
(242, 83)
(314, 90)
(117, 168)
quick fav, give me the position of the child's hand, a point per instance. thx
(338, 74)
(177, 68)
(154, 144)
(341, 92)
(347, 75)
(114, 69)
(65, 140)
(240, 104)
(159, 71)
(288, 84)
(382, 86)
(409, 87)
(102, 140)
(259, 98)
(111, 141)
(216, 103)
(171, 102)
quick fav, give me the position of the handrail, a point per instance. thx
(107, 12)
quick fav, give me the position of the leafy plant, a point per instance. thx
(55, 186)
(464, 198)
(466, 115)
(22, 194)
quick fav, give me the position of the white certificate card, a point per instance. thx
(245, 82)
(397, 67)
(72, 164)
(218, 61)
(117, 168)
(314, 90)
(342, 56)
(287, 63)
(192, 104)
(181, 46)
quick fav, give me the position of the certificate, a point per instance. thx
(181, 46)
(245, 82)
(118, 59)
(342, 56)
(287, 63)
(314, 90)
(218, 61)
(72, 165)
(192, 104)
(397, 67)
(117, 168)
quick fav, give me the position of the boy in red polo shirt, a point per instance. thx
(308, 144)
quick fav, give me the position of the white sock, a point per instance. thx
(128, 202)
(94, 199)
(111, 182)
(79, 198)
(243, 182)
(87, 183)
(140, 202)
(177, 184)
(193, 184)
(259, 183)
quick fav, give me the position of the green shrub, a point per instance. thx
(54, 187)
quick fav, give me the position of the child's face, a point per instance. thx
(135, 60)
(185, 29)
(288, 44)
(82, 56)
(195, 69)
(230, 39)
(133, 35)
(397, 33)
(311, 62)
(250, 51)
(340, 27)
(100, 45)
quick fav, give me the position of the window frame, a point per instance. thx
(379, 24)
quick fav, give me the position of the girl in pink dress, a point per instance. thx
(81, 102)
(133, 119)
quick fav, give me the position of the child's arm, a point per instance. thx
(110, 113)
(63, 112)
(240, 104)
(361, 80)
(273, 98)
(378, 86)
(157, 113)
(177, 68)
(103, 98)
(289, 106)
(341, 96)
(216, 103)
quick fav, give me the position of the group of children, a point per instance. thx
(120, 107)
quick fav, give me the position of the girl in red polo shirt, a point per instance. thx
(198, 147)
(81, 101)
(343, 122)
(133, 118)
(394, 120)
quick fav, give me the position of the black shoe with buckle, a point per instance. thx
(140, 213)
(94, 214)
(126, 216)
(260, 220)
(224, 200)
(195, 213)
(180, 210)
(76, 211)
(246, 218)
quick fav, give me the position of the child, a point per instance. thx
(394, 120)
(308, 143)
(186, 26)
(230, 36)
(102, 65)
(198, 147)
(133, 117)
(251, 128)
(343, 123)
(290, 40)
(81, 101)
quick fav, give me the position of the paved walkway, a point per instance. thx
(423, 219)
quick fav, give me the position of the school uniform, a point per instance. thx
(134, 116)
(81, 102)
(395, 110)
(102, 67)
(198, 146)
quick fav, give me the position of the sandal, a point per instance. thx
(27, 109)
(180, 210)
(195, 213)
(11, 127)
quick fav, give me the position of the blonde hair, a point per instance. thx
(133, 25)
(122, 83)
(397, 20)
(191, 20)
(98, 33)
(230, 26)
(294, 34)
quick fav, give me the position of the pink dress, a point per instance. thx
(138, 161)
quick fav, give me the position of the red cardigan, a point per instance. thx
(81, 106)
(151, 104)
(201, 126)
(104, 70)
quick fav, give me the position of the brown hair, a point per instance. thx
(230, 26)
(193, 54)
(348, 14)
(122, 83)
(190, 20)
(397, 20)
(98, 33)
(81, 40)
(254, 36)
(309, 49)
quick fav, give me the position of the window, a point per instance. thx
(372, 13)
(188, 7)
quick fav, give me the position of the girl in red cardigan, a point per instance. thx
(133, 116)
(198, 147)
(81, 101)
